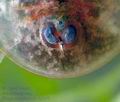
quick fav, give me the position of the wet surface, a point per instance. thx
(97, 27)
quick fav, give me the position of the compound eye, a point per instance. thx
(69, 34)
(48, 35)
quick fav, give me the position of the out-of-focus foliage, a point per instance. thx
(18, 85)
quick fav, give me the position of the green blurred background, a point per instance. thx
(19, 85)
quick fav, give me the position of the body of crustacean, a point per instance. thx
(60, 38)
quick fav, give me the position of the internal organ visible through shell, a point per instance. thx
(89, 42)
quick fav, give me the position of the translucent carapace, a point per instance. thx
(60, 38)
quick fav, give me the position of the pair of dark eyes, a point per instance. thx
(68, 35)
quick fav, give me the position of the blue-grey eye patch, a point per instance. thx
(69, 34)
(48, 33)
